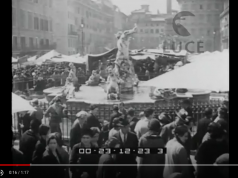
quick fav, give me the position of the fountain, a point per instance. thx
(121, 80)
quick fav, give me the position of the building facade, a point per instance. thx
(205, 26)
(32, 27)
(224, 22)
(90, 26)
(69, 26)
(150, 28)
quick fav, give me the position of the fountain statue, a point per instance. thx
(124, 68)
(71, 83)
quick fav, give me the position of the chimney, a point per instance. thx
(169, 6)
(145, 7)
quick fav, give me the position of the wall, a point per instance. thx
(224, 26)
(205, 22)
(24, 13)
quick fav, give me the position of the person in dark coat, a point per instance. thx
(92, 119)
(122, 109)
(166, 131)
(41, 144)
(186, 105)
(62, 150)
(164, 119)
(103, 137)
(39, 151)
(17, 156)
(115, 114)
(222, 119)
(95, 137)
(29, 139)
(77, 158)
(210, 150)
(25, 121)
(203, 124)
(38, 114)
(75, 131)
(108, 171)
(151, 139)
(223, 170)
(127, 140)
(51, 156)
(56, 112)
(132, 119)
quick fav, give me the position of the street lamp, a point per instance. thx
(82, 26)
(214, 35)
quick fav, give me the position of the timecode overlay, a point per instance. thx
(14, 171)
(139, 151)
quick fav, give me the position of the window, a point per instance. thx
(35, 1)
(29, 20)
(141, 30)
(42, 24)
(209, 6)
(50, 25)
(22, 18)
(31, 44)
(41, 43)
(47, 43)
(157, 30)
(46, 25)
(151, 30)
(36, 23)
(162, 30)
(36, 42)
(201, 7)
(23, 42)
(13, 17)
(14, 42)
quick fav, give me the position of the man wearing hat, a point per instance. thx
(166, 131)
(222, 118)
(164, 119)
(75, 131)
(127, 139)
(132, 119)
(17, 156)
(116, 127)
(92, 119)
(115, 114)
(210, 150)
(203, 124)
(38, 114)
(151, 139)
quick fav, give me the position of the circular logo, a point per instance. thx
(178, 28)
(1, 172)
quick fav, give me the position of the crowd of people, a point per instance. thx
(42, 144)
(42, 76)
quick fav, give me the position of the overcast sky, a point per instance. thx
(126, 6)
